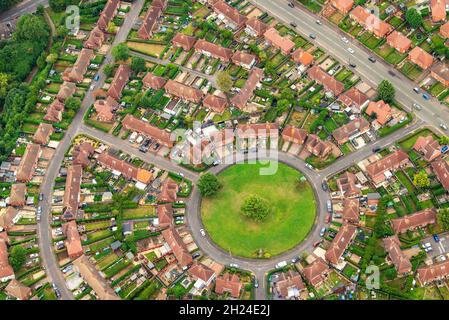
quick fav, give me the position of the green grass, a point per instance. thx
(293, 211)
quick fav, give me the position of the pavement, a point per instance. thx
(25, 6)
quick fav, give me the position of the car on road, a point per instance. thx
(391, 73)
(443, 126)
(322, 232)
(372, 59)
(416, 89)
(97, 77)
(234, 265)
(39, 209)
(328, 218)
(256, 283)
(308, 165)
(312, 36)
(352, 65)
(351, 51)
(329, 206)
(417, 106)
(425, 96)
(281, 265)
(318, 22)
(324, 186)
(294, 260)
(181, 174)
(376, 149)
(345, 40)
(293, 24)
(436, 238)
(196, 255)
(203, 233)
(41, 196)
(291, 4)
(38, 217)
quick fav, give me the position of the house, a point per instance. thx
(344, 6)
(289, 285)
(370, 22)
(229, 283)
(183, 92)
(328, 82)
(255, 27)
(153, 82)
(6, 271)
(420, 57)
(241, 99)
(95, 40)
(243, 59)
(203, 275)
(178, 247)
(284, 44)
(316, 272)
(428, 147)
(229, 15)
(66, 90)
(444, 30)
(161, 136)
(150, 23)
(165, 215)
(127, 169)
(17, 196)
(380, 110)
(72, 192)
(401, 262)
(340, 243)
(43, 133)
(213, 50)
(18, 290)
(28, 163)
(78, 70)
(351, 210)
(257, 130)
(399, 42)
(415, 220)
(438, 9)
(105, 109)
(73, 240)
(215, 103)
(380, 170)
(429, 274)
(440, 72)
(54, 111)
(441, 169)
(119, 82)
(354, 99)
(294, 135)
(81, 154)
(346, 185)
(317, 147)
(108, 14)
(169, 191)
(8, 217)
(351, 130)
(302, 57)
(183, 41)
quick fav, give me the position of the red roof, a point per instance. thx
(215, 103)
(54, 111)
(43, 133)
(323, 78)
(420, 57)
(228, 283)
(371, 22)
(257, 130)
(214, 50)
(105, 108)
(441, 169)
(282, 43)
(119, 82)
(73, 240)
(28, 163)
(132, 123)
(401, 262)
(17, 195)
(127, 169)
(398, 41)
(241, 99)
(438, 9)
(429, 147)
(243, 59)
(165, 214)
(353, 98)
(169, 191)
(351, 210)
(6, 271)
(95, 40)
(77, 71)
(316, 272)
(434, 272)
(393, 161)
(178, 247)
(150, 22)
(343, 5)
(72, 191)
(200, 271)
(354, 127)
(412, 221)
(346, 185)
(108, 13)
(231, 14)
(382, 111)
(302, 57)
(183, 92)
(256, 26)
(444, 30)
(153, 82)
(340, 243)
(294, 135)
(183, 41)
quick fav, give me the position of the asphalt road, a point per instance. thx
(329, 36)
(21, 8)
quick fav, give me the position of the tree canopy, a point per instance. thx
(120, 52)
(17, 257)
(255, 208)
(138, 64)
(413, 18)
(443, 218)
(421, 179)
(224, 81)
(386, 91)
(208, 185)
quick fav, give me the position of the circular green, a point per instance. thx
(292, 203)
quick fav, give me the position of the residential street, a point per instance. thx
(21, 8)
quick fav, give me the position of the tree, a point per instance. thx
(3, 85)
(224, 81)
(391, 274)
(138, 64)
(62, 31)
(108, 70)
(386, 91)
(413, 18)
(31, 28)
(421, 179)
(17, 257)
(256, 208)
(51, 58)
(120, 52)
(72, 104)
(208, 185)
(444, 140)
(443, 218)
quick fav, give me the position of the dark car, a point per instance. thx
(291, 5)
(293, 24)
(436, 238)
(376, 149)
(312, 36)
(324, 186)
(426, 96)
(352, 65)
(372, 59)
(391, 73)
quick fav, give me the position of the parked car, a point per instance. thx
(293, 24)
(318, 22)
(97, 77)
(308, 165)
(312, 36)
(345, 40)
(41, 196)
(443, 126)
(196, 255)
(329, 206)
(426, 96)
(436, 238)
(324, 186)
(416, 89)
(234, 265)
(376, 149)
(322, 232)
(291, 4)
(256, 283)
(203, 233)
(328, 218)
(372, 59)
(280, 265)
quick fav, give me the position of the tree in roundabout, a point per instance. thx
(256, 208)
(208, 185)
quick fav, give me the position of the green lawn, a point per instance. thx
(292, 216)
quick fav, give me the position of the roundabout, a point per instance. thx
(289, 199)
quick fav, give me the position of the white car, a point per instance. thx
(443, 126)
(234, 265)
(203, 233)
(351, 51)
(417, 106)
(345, 40)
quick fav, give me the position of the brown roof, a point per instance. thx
(77, 71)
(418, 219)
(353, 97)
(95, 40)
(241, 99)
(73, 240)
(165, 214)
(398, 41)
(347, 131)
(127, 169)
(215, 103)
(401, 262)
(105, 108)
(382, 110)
(256, 25)
(441, 169)
(178, 247)
(243, 59)
(231, 14)
(438, 9)
(119, 82)
(246, 131)
(17, 290)
(108, 13)
(153, 82)
(323, 78)
(370, 21)
(66, 90)
(302, 57)
(81, 154)
(429, 147)
(318, 147)
(183, 92)
(341, 241)
(7, 217)
(200, 271)
(392, 161)
(214, 50)
(440, 71)
(346, 184)
(6, 270)
(434, 272)
(289, 284)
(351, 210)
(72, 191)
(228, 283)
(282, 43)
(316, 272)
(159, 3)
(43, 133)
(184, 41)
(54, 111)
(343, 5)
(293, 134)
(28, 163)
(132, 123)
(169, 191)
(18, 192)
(420, 57)
(444, 30)
(150, 22)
